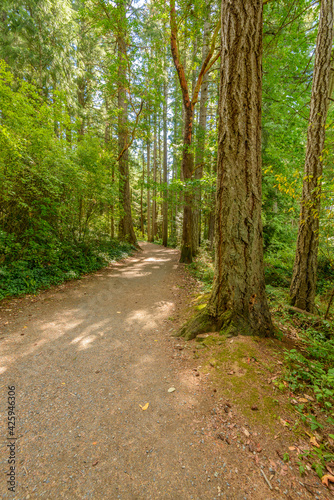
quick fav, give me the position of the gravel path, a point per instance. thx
(83, 358)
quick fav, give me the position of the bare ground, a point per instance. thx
(83, 358)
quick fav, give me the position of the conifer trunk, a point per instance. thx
(304, 277)
(148, 193)
(200, 143)
(165, 193)
(238, 302)
(154, 203)
(187, 170)
(125, 228)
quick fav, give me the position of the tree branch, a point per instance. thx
(132, 133)
(212, 62)
(205, 65)
(176, 56)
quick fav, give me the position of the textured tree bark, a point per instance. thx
(238, 302)
(148, 193)
(304, 276)
(211, 218)
(154, 203)
(187, 169)
(200, 142)
(125, 228)
(141, 198)
(189, 103)
(165, 193)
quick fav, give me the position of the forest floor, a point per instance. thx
(93, 361)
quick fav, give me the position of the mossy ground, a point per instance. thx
(244, 369)
(258, 377)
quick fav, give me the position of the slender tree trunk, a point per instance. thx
(154, 203)
(200, 143)
(165, 192)
(211, 221)
(125, 228)
(189, 103)
(112, 174)
(141, 199)
(211, 216)
(112, 207)
(304, 277)
(187, 169)
(148, 193)
(238, 302)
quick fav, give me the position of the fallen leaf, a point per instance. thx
(231, 372)
(314, 442)
(303, 400)
(326, 478)
(145, 406)
(246, 432)
(95, 442)
(254, 408)
(292, 448)
(95, 463)
(171, 389)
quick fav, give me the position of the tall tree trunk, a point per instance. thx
(211, 216)
(200, 142)
(187, 167)
(238, 302)
(125, 228)
(112, 207)
(189, 103)
(304, 277)
(141, 198)
(211, 221)
(148, 192)
(154, 203)
(112, 172)
(165, 192)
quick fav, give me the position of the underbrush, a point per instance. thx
(307, 375)
(29, 274)
(202, 268)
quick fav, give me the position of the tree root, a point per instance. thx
(229, 323)
(202, 322)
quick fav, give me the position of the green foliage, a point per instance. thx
(203, 269)
(53, 195)
(314, 367)
(28, 276)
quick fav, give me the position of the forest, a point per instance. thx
(204, 126)
(96, 98)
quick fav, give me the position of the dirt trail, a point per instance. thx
(92, 352)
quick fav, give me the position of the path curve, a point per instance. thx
(83, 358)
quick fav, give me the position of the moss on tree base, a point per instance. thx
(229, 323)
(186, 255)
(200, 323)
